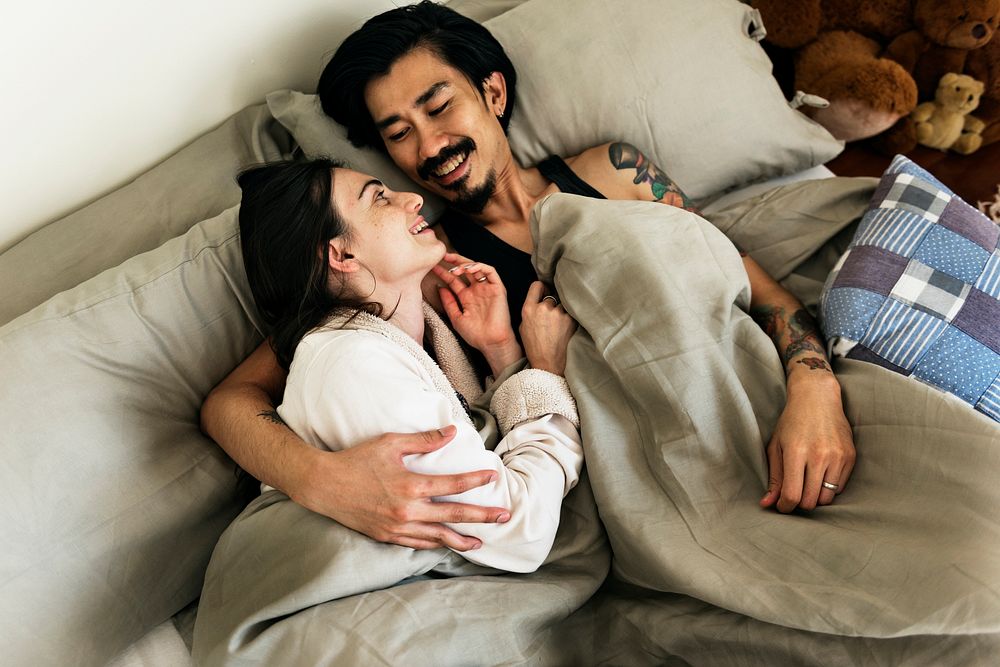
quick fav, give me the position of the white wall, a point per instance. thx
(94, 93)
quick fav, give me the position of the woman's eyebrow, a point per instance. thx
(364, 187)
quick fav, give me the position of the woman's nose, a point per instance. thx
(415, 201)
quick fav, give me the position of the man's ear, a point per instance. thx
(495, 93)
(339, 259)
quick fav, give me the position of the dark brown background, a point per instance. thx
(974, 177)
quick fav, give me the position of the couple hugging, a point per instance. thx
(380, 408)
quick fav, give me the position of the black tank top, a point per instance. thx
(474, 241)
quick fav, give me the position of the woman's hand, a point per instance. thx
(812, 444)
(477, 308)
(545, 330)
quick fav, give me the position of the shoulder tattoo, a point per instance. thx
(626, 156)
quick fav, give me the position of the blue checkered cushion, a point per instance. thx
(918, 290)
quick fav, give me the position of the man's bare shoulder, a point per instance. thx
(619, 170)
(594, 166)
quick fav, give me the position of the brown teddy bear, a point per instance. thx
(837, 46)
(984, 65)
(947, 33)
(841, 55)
(944, 34)
(945, 123)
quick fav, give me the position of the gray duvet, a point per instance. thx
(678, 391)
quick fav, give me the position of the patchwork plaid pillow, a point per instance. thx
(918, 290)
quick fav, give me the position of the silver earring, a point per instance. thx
(500, 116)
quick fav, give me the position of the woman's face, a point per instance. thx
(388, 236)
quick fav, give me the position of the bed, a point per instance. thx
(113, 501)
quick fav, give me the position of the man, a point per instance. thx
(436, 91)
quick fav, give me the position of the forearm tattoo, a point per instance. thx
(796, 337)
(627, 156)
(273, 417)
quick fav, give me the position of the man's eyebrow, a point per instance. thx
(421, 99)
(364, 187)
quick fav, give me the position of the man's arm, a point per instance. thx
(365, 488)
(812, 441)
(648, 181)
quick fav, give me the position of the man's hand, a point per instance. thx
(812, 444)
(368, 489)
(546, 329)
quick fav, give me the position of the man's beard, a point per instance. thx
(471, 201)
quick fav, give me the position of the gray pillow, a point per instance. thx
(681, 80)
(111, 499)
(195, 183)
(481, 10)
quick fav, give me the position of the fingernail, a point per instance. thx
(453, 269)
(447, 430)
(504, 517)
(475, 546)
(469, 266)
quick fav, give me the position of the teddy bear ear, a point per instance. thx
(949, 78)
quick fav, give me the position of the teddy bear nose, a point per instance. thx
(979, 31)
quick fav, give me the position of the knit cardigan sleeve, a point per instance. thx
(530, 394)
(356, 385)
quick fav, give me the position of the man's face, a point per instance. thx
(439, 129)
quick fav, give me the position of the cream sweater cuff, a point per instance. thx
(530, 394)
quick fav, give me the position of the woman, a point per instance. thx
(335, 261)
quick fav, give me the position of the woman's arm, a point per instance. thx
(535, 465)
(812, 442)
(366, 488)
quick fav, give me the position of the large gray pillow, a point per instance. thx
(111, 499)
(682, 80)
(195, 183)
(481, 10)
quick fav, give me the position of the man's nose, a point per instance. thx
(431, 142)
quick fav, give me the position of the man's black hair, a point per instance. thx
(372, 50)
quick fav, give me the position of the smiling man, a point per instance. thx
(436, 92)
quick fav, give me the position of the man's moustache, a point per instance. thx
(463, 147)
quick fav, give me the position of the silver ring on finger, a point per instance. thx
(831, 486)
(553, 299)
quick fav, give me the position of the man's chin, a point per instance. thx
(473, 201)
(464, 198)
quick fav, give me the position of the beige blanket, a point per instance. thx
(678, 391)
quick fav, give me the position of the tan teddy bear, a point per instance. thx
(945, 123)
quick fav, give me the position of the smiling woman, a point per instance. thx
(335, 262)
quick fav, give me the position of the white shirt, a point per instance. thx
(347, 386)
